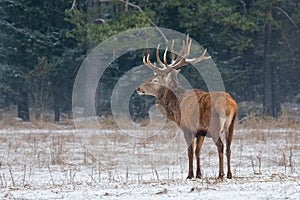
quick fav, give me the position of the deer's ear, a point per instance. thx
(171, 76)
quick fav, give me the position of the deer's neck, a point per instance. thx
(168, 102)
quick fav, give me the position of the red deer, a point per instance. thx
(196, 112)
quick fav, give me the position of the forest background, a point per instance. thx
(255, 44)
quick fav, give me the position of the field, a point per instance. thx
(127, 164)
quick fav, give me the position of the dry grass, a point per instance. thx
(114, 160)
(8, 120)
(65, 161)
(260, 122)
(289, 118)
(163, 153)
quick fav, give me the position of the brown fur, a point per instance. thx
(198, 114)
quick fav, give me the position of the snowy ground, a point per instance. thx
(109, 164)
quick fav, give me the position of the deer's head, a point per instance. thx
(165, 75)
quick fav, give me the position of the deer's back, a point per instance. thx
(199, 108)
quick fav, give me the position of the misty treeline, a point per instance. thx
(255, 44)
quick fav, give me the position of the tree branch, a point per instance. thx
(127, 3)
(73, 6)
(244, 5)
(287, 15)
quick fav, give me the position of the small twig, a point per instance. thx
(2, 181)
(5, 180)
(168, 173)
(252, 163)
(24, 176)
(156, 173)
(259, 164)
(85, 157)
(284, 161)
(92, 175)
(127, 175)
(99, 172)
(291, 160)
(50, 175)
(12, 177)
(109, 176)
(244, 5)
(287, 42)
(73, 6)
(72, 178)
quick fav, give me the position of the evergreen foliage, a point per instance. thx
(256, 45)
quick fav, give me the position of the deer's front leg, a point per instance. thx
(191, 159)
(190, 142)
(220, 147)
(199, 143)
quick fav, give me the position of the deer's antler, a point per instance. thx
(182, 58)
(180, 61)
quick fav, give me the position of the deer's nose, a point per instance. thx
(139, 91)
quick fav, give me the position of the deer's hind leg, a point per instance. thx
(215, 129)
(199, 144)
(189, 138)
(220, 147)
(229, 136)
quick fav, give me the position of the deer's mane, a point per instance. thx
(169, 103)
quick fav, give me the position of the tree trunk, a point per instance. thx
(92, 6)
(23, 106)
(56, 106)
(276, 101)
(268, 71)
(271, 85)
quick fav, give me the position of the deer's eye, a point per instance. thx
(154, 81)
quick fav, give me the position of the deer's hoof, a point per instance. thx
(190, 176)
(229, 175)
(198, 176)
(221, 176)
